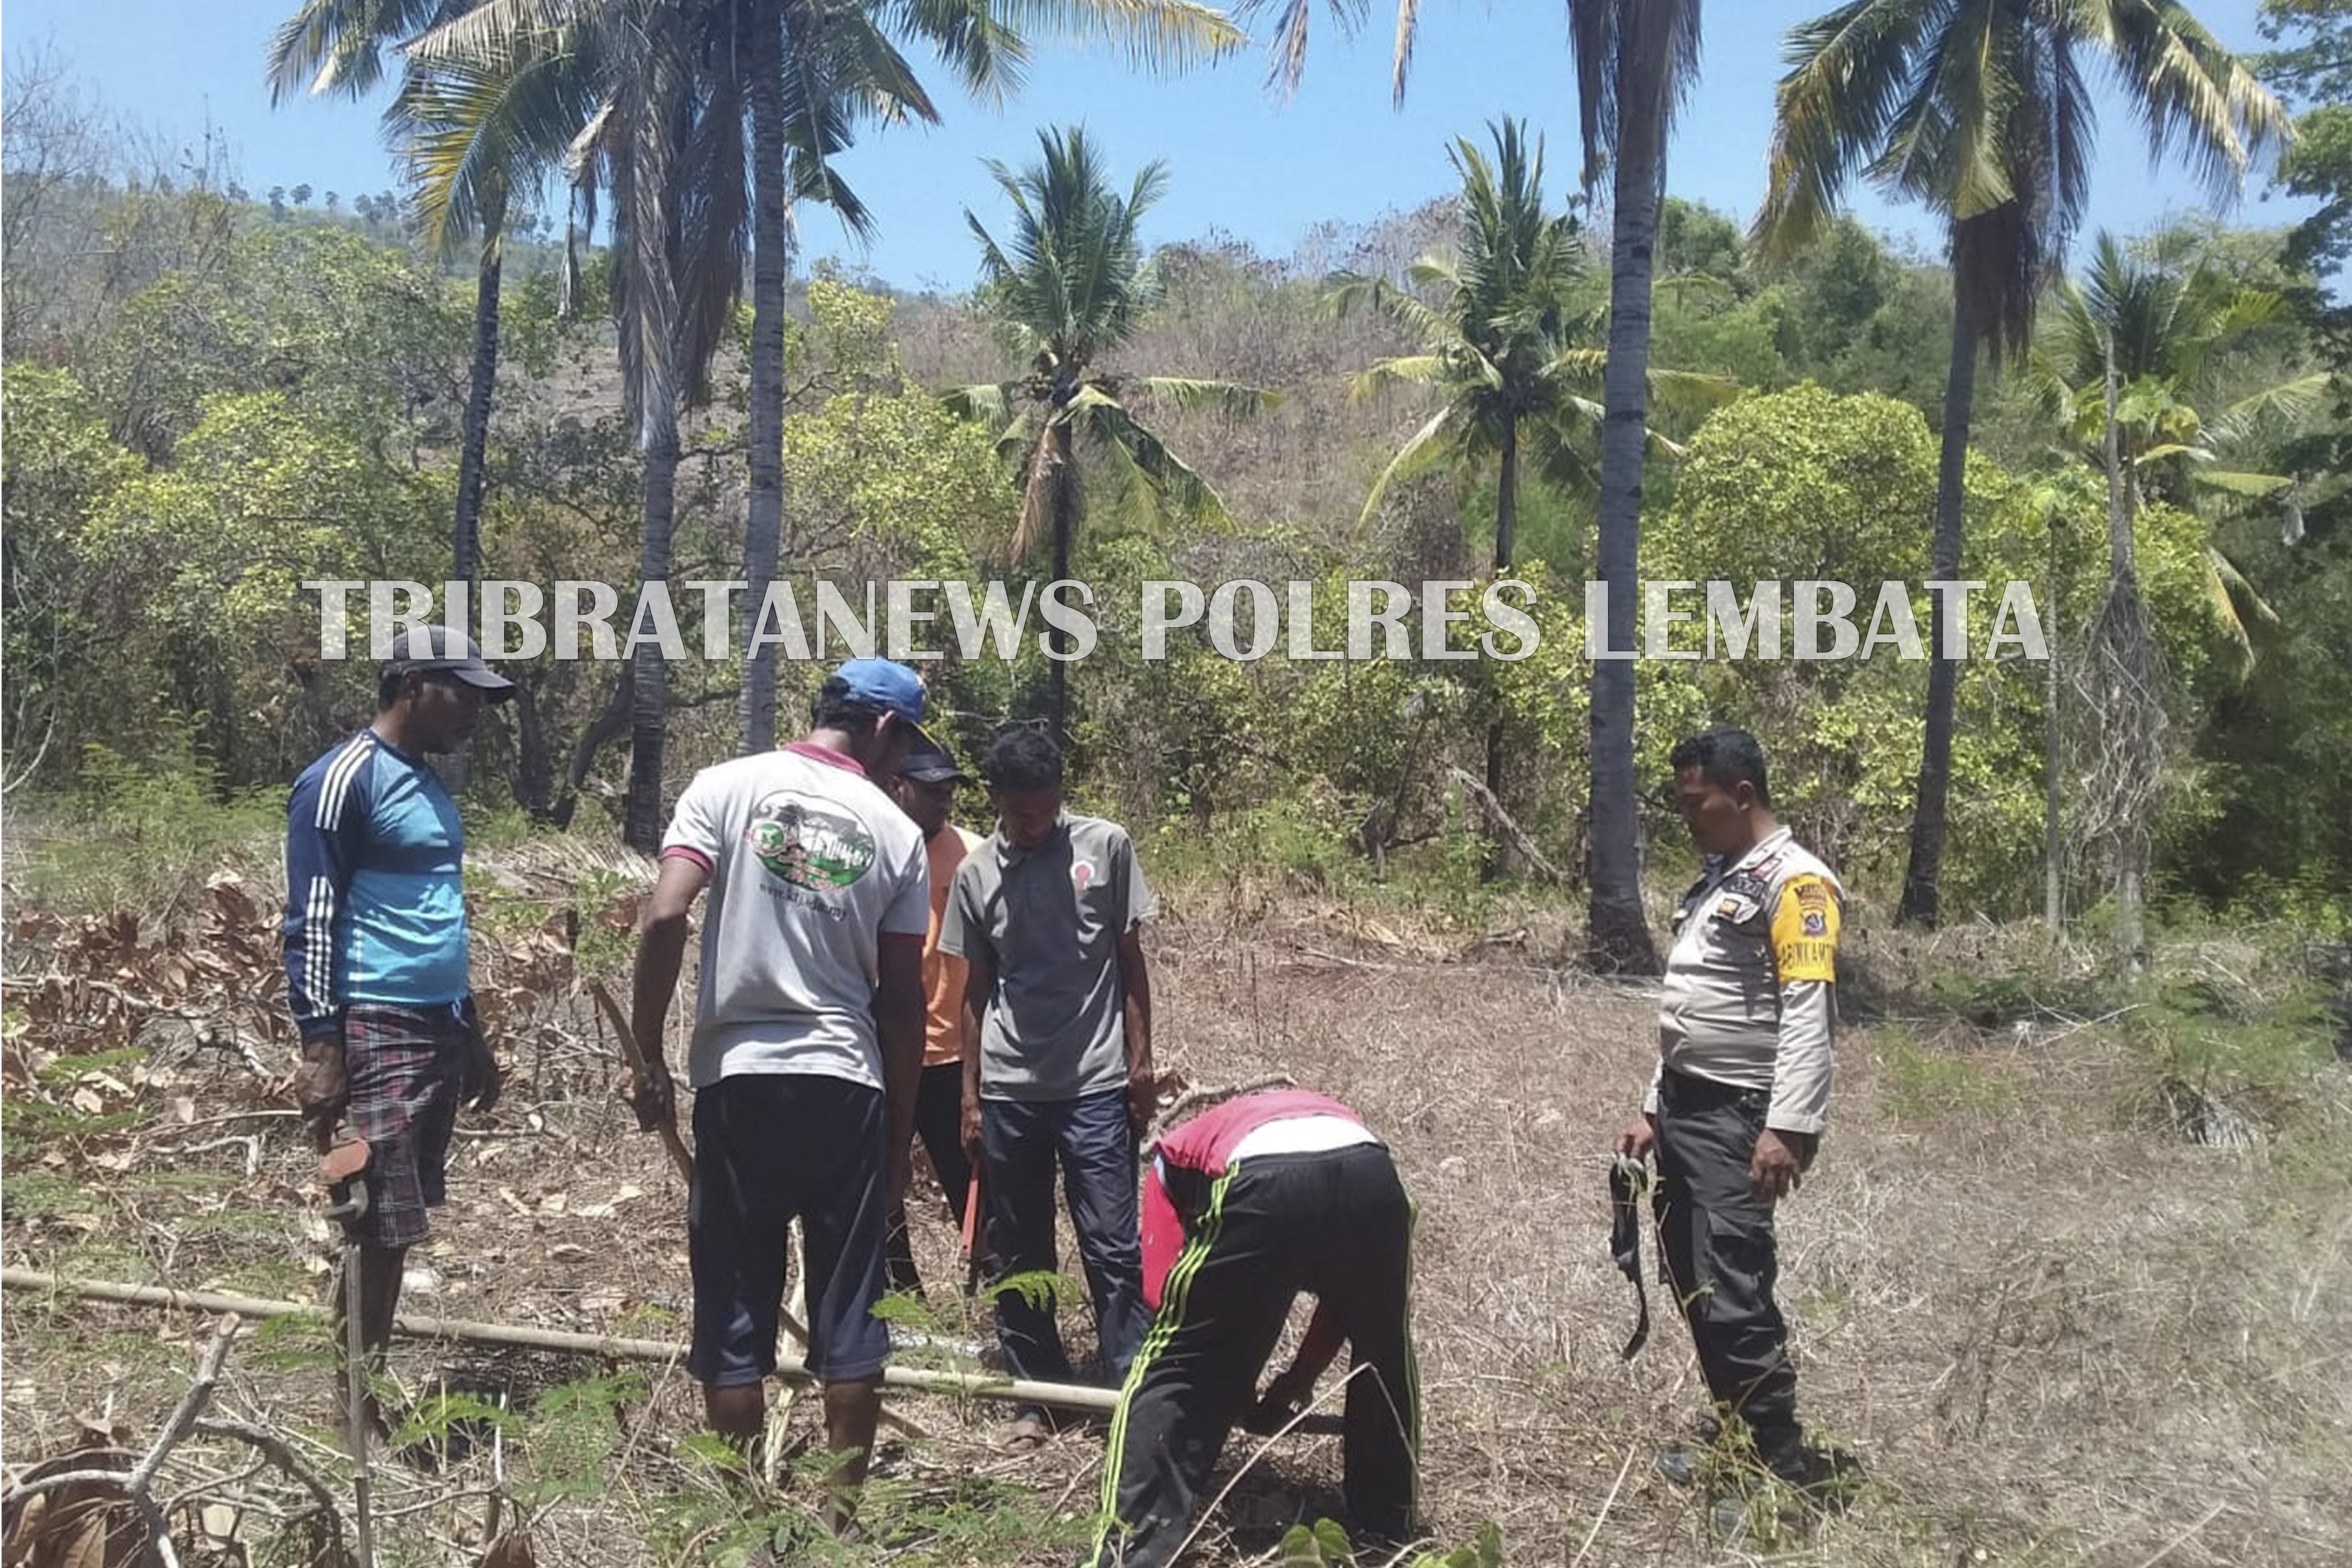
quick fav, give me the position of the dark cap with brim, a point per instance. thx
(438, 651)
(927, 762)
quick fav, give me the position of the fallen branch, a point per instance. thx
(1509, 829)
(282, 1454)
(138, 1483)
(1073, 1396)
(1193, 1100)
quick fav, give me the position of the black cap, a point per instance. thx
(441, 650)
(927, 762)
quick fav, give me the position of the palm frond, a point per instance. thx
(988, 403)
(1176, 490)
(1433, 444)
(338, 46)
(1650, 49)
(989, 56)
(1152, 36)
(2294, 399)
(1385, 376)
(1231, 398)
(472, 136)
(2241, 484)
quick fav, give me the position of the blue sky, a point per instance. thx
(1242, 163)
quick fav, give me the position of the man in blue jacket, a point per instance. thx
(376, 959)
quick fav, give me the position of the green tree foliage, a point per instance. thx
(1073, 284)
(58, 466)
(1979, 112)
(2313, 68)
(1804, 484)
(882, 479)
(350, 332)
(250, 401)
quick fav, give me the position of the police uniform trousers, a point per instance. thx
(1718, 1256)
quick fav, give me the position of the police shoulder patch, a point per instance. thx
(1805, 929)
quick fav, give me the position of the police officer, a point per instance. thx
(1736, 1108)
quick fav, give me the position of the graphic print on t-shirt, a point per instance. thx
(810, 842)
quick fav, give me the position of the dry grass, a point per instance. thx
(2052, 1337)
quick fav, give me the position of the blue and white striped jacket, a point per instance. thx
(376, 908)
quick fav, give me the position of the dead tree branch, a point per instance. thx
(1519, 841)
(138, 1485)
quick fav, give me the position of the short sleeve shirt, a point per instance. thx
(1049, 921)
(812, 867)
(943, 973)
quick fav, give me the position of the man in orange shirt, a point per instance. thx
(925, 789)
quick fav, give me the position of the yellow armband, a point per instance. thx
(1805, 931)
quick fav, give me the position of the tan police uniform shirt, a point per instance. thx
(1751, 981)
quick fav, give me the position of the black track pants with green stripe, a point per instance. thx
(1337, 1225)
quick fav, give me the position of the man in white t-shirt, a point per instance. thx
(807, 1046)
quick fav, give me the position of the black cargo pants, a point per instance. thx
(1338, 1224)
(1718, 1255)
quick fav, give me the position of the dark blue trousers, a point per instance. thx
(1021, 1142)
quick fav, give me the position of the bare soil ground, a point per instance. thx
(2054, 1331)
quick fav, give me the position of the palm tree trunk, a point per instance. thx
(2054, 842)
(645, 190)
(2130, 670)
(474, 438)
(1617, 938)
(1507, 524)
(1922, 878)
(465, 536)
(764, 521)
(1066, 525)
(649, 675)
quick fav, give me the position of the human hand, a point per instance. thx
(1776, 1170)
(1142, 1099)
(902, 1172)
(972, 1144)
(655, 1099)
(1279, 1405)
(1639, 1136)
(480, 1082)
(321, 1088)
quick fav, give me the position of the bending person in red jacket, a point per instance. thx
(1246, 1205)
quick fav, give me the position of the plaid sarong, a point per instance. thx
(404, 1066)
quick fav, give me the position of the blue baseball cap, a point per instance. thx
(886, 684)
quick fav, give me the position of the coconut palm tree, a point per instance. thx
(687, 90)
(795, 126)
(1508, 336)
(2170, 333)
(339, 47)
(1980, 110)
(690, 87)
(1636, 60)
(1510, 340)
(1072, 280)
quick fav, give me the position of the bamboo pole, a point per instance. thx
(909, 1380)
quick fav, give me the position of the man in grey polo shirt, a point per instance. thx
(1057, 1053)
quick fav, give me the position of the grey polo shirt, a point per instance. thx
(1048, 920)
